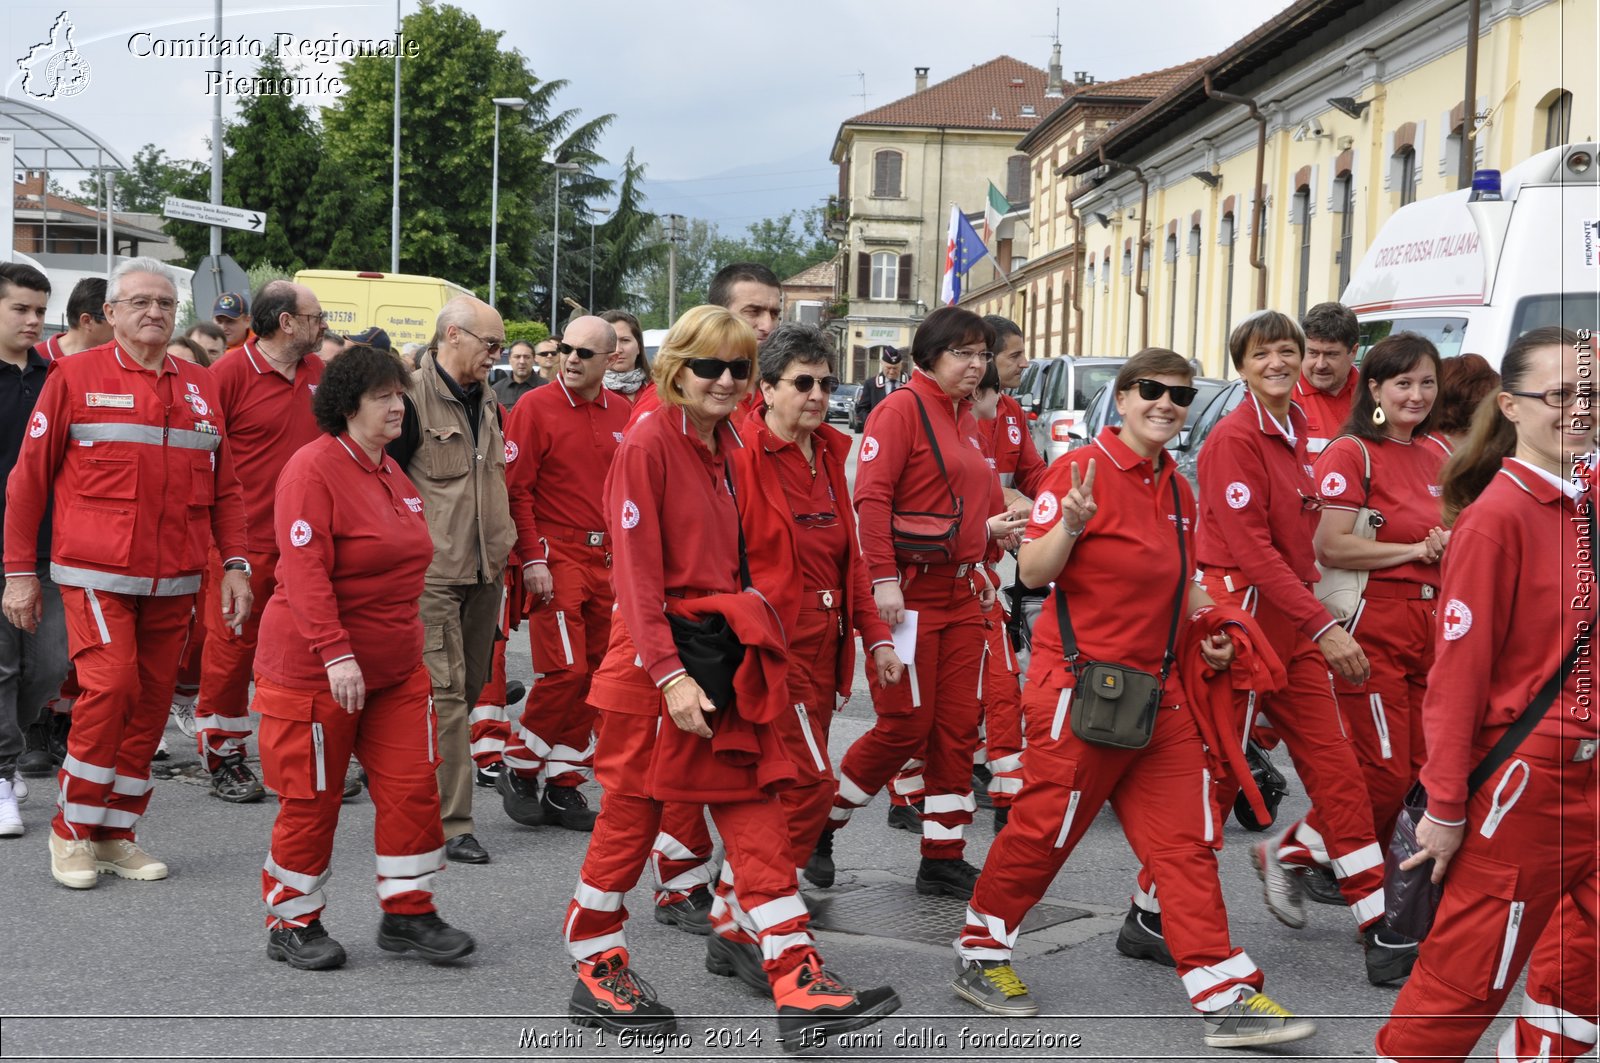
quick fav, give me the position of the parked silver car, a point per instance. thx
(1055, 392)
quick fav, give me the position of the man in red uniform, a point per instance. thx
(86, 322)
(131, 443)
(264, 392)
(1328, 377)
(560, 440)
(231, 312)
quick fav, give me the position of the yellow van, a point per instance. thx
(402, 304)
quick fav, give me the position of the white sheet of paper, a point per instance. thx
(904, 635)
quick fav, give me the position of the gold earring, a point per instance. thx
(1377, 416)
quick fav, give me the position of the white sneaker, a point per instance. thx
(10, 818)
(183, 712)
(161, 752)
(19, 788)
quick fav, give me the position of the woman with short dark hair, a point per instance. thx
(339, 670)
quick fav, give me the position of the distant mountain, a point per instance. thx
(735, 198)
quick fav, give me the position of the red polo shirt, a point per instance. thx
(1405, 489)
(354, 549)
(1255, 483)
(50, 349)
(1008, 443)
(559, 448)
(1127, 553)
(819, 514)
(1516, 595)
(269, 418)
(1325, 413)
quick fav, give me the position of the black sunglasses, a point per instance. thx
(585, 353)
(805, 382)
(713, 368)
(1151, 390)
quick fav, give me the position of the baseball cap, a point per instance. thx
(891, 356)
(230, 304)
(372, 336)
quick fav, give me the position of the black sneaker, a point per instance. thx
(35, 762)
(427, 935)
(353, 782)
(1320, 886)
(1141, 937)
(692, 914)
(1002, 816)
(1390, 957)
(234, 782)
(819, 870)
(520, 797)
(906, 817)
(60, 728)
(609, 996)
(565, 806)
(489, 774)
(737, 959)
(949, 878)
(981, 778)
(306, 948)
(515, 692)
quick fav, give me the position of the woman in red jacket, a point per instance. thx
(1517, 856)
(674, 524)
(930, 511)
(339, 670)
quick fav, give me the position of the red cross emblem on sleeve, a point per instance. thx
(1457, 619)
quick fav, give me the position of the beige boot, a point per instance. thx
(72, 862)
(124, 859)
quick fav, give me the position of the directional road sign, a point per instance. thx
(251, 221)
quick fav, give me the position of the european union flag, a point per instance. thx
(963, 250)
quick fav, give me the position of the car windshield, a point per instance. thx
(1573, 310)
(1445, 333)
(1090, 379)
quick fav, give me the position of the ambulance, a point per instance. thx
(1472, 273)
(404, 305)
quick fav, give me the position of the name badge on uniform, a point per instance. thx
(102, 400)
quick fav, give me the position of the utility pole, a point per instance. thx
(677, 232)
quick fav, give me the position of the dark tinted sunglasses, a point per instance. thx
(585, 353)
(805, 382)
(713, 368)
(1151, 390)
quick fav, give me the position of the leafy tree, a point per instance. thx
(145, 186)
(697, 264)
(787, 244)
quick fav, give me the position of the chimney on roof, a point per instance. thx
(1052, 87)
(922, 79)
(1081, 77)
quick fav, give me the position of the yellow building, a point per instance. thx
(1361, 107)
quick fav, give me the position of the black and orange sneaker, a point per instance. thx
(609, 996)
(813, 1006)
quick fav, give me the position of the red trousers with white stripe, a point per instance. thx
(222, 715)
(306, 743)
(753, 832)
(1162, 797)
(487, 726)
(1002, 712)
(125, 651)
(1384, 717)
(1523, 884)
(933, 708)
(813, 663)
(681, 853)
(568, 636)
(1306, 716)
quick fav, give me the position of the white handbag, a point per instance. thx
(1340, 589)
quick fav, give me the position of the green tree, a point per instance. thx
(146, 184)
(787, 244)
(697, 264)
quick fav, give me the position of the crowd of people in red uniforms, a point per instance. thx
(698, 578)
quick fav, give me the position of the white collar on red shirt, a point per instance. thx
(359, 456)
(1263, 418)
(168, 365)
(1306, 390)
(572, 399)
(683, 426)
(1567, 487)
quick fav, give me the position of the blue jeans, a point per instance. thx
(32, 668)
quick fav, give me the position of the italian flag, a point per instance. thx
(996, 208)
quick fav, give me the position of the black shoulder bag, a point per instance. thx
(711, 653)
(1113, 704)
(927, 538)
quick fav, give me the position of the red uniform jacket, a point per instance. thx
(775, 565)
(1258, 510)
(269, 418)
(354, 549)
(142, 473)
(1513, 601)
(558, 452)
(1008, 443)
(896, 471)
(1405, 489)
(1325, 414)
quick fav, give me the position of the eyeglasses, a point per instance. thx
(582, 352)
(1151, 390)
(816, 520)
(713, 368)
(141, 303)
(319, 319)
(1560, 398)
(494, 346)
(970, 356)
(805, 383)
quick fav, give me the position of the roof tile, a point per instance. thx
(992, 95)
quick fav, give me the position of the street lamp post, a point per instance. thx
(555, 236)
(516, 103)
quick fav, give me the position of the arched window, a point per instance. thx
(1171, 256)
(1345, 196)
(1405, 164)
(1230, 241)
(1558, 120)
(1302, 210)
(887, 166)
(885, 275)
(1194, 291)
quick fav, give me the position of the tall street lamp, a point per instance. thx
(516, 103)
(555, 235)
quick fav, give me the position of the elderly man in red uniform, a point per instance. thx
(264, 392)
(559, 444)
(131, 443)
(1328, 377)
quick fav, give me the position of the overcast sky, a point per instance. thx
(738, 99)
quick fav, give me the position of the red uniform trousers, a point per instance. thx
(1162, 797)
(752, 831)
(1529, 888)
(813, 664)
(554, 738)
(487, 726)
(306, 743)
(681, 852)
(125, 651)
(222, 715)
(1384, 718)
(1002, 712)
(1306, 716)
(186, 687)
(933, 708)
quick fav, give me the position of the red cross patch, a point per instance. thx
(1238, 495)
(1457, 619)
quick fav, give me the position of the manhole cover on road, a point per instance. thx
(895, 910)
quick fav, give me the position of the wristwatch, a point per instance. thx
(237, 566)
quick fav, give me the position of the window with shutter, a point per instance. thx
(885, 275)
(886, 174)
(1017, 177)
(863, 275)
(903, 284)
